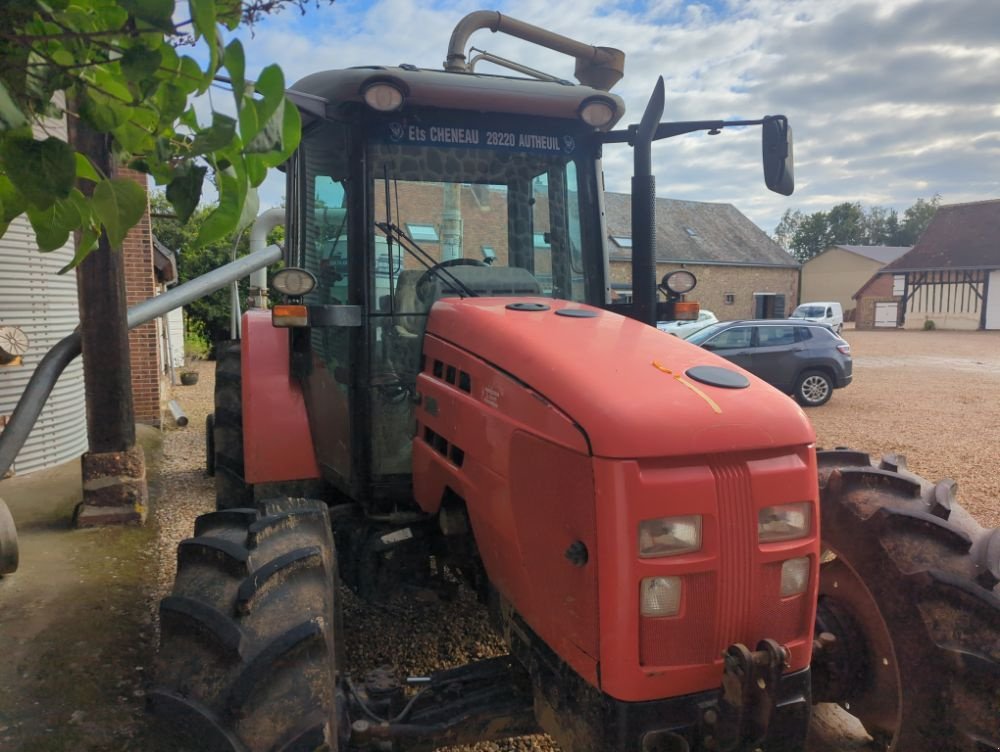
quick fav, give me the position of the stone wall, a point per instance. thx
(717, 285)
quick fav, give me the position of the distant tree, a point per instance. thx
(917, 217)
(849, 223)
(846, 224)
(785, 230)
(881, 226)
(812, 236)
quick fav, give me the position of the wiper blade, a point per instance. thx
(408, 244)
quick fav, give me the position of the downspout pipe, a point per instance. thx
(264, 223)
(40, 385)
(599, 67)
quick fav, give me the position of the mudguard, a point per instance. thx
(277, 442)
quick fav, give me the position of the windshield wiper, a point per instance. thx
(409, 245)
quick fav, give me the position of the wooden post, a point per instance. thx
(114, 474)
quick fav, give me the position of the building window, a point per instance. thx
(422, 232)
(622, 242)
(730, 298)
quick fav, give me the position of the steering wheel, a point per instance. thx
(424, 281)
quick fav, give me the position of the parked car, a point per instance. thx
(805, 359)
(685, 329)
(830, 313)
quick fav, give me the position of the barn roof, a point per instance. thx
(696, 232)
(883, 254)
(959, 236)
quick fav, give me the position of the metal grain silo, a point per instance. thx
(43, 305)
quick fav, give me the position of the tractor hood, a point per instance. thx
(626, 384)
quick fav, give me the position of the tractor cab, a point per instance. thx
(411, 185)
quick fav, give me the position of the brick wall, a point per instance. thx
(715, 283)
(140, 285)
(878, 290)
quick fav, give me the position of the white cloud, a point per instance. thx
(889, 100)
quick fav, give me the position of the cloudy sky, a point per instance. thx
(889, 100)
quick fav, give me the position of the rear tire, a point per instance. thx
(915, 578)
(814, 388)
(8, 541)
(247, 661)
(231, 489)
(210, 445)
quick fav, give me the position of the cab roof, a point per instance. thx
(321, 94)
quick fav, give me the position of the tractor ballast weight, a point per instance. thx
(448, 362)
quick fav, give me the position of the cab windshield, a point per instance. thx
(470, 207)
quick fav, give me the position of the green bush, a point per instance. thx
(196, 344)
(929, 325)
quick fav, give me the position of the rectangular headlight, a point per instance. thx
(794, 576)
(660, 596)
(669, 536)
(784, 522)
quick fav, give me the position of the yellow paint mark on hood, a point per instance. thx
(677, 377)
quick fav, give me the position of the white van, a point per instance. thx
(830, 313)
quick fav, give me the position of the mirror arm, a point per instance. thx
(669, 130)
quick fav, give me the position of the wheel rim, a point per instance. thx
(814, 389)
(875, 697)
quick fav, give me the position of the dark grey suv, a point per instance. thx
(803, 359)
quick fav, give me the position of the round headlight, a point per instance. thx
(680, 282)
(293, 282)
(383, 96)
(597, 113)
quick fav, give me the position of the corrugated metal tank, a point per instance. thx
(43, 304)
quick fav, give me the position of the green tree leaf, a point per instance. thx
(139, 63)
(203, 18)
(11, 116)
(84, 169)
(52, 226)
(84, 246)
(156, 12)
(118, 203)
(11, 199)
(184, 191)
(43, 171)
(235, 62)
(217, 136)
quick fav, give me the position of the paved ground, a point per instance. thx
(77, 622)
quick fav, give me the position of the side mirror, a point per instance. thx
(776, 144)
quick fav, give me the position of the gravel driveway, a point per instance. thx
(933, 396)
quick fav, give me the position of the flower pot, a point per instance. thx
(189, 378)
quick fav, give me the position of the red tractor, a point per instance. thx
(446, 391)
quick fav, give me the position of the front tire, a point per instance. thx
(910, 581)
(813, 388)
(247, 661)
